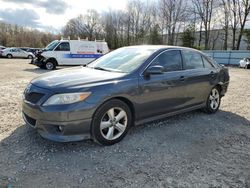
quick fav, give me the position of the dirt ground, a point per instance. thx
(189, 150)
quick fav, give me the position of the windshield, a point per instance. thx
(122, 60)
(52, 45)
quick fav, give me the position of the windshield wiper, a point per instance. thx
(100, 68)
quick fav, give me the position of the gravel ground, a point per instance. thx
(189, 150)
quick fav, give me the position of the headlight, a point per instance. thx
(66, 98)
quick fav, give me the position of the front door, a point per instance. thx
(63, 55)
(163, 93)
(22, 53)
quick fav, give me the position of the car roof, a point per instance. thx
(159, 47)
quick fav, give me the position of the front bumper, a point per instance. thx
(37, 62)
(64, 124)
(60, 131)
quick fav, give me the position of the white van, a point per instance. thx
(70, 52)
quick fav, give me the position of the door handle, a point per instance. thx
(182, 78)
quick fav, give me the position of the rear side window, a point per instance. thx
(170, 60)
(192, 60)
(64, 46)
(207, 64)
(13, 50)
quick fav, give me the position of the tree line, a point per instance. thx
(19, 36)
(193, 22)
(165, 22)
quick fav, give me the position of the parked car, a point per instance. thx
(1, 50)
(2, 47)
(34, 50)
(245, 63)
(131, 85)
(70, 52)
(16, 52)
(24, 48)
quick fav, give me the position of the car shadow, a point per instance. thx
(24, 148)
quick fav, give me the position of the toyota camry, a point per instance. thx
(129, 86)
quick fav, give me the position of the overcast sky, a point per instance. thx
(51, 14)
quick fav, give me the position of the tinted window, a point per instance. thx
(170, 60)
(13, 50)
(207, 64)
(192, 60)
(64, 46)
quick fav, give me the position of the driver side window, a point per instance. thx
(64, 46)
(169, 60)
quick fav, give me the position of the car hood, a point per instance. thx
(75, 78)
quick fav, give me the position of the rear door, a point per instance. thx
(199, 77)
(22, 53)
(163, 93)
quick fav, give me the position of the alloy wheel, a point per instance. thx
(113, 123)
(49, 65)
(214, 99)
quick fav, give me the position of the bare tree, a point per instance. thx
(87, 25)
(204, 8)
(18, 36)
(243, 12)
(225, 4)
(173, 12)
(233, 20)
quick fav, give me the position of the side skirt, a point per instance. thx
(147, 120)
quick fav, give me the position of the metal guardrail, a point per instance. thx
(231, 57)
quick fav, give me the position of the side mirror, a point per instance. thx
(157, 69)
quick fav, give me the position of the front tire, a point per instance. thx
(213, 101)
(9, 56)
(111, 122)
(50, 65)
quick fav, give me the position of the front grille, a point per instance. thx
(33, 97)
(30, 120)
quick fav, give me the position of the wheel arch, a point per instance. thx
(130, 105)
(123, 99)
(53, 60)
(219, 86)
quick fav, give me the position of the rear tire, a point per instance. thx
(9, 56)
(111, 122)
(213, 101)
(49, 65)
(30, 57)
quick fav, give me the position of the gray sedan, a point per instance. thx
(129, 86)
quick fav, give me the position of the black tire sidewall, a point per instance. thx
(54, 66)
(95, 127)
(208, 108)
